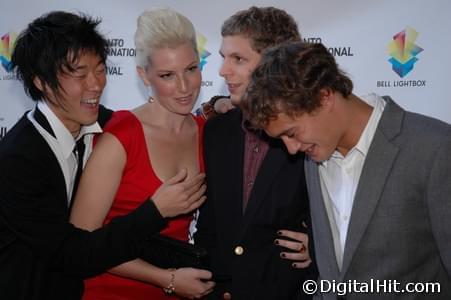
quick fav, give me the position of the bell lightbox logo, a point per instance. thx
(203, 53)
(6, 49)
(404, 51)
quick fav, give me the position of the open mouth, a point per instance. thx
(233, 86)
(94, 102)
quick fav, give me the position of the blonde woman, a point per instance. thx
(143, 148)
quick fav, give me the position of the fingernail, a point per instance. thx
(276, 242)
(279, 232)
(282, 255)
(294, 265)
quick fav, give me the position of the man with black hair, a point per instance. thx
(60, 58)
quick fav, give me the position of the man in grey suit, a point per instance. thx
(378, 177)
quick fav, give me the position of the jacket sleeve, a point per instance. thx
(438, 200)
(205, 234)
(34, 213)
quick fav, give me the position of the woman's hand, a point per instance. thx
(192, 283)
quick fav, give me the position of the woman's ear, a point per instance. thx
(143, 75)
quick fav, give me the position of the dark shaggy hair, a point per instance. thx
(52, 44)
(264, 26)
(289, 79)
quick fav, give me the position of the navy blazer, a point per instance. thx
(278, 201)
(42, 255)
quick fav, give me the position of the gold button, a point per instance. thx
(227, 296)
(239, 250)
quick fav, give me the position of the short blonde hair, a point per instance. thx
(161, 28)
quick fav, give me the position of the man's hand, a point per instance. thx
(223, 105)
(180, 195)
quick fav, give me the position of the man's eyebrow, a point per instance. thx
(278, 136)
(82, 67)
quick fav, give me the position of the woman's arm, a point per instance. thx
(99, 183)
(98, 186)
(187, 282)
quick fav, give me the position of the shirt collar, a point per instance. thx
(257, 133)
(90, 129)
(364, 143)
(378, 104)
(247, 127)
(62, 134)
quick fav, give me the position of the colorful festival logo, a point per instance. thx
(203, 53)
(6, 49)
(403, 51)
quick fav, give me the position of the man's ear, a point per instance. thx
(326, 97)
(47, 93)
(142, 74)
(39, 84)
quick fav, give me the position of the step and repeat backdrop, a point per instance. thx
(401, 48)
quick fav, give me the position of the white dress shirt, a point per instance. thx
(63, 143)
(340, 175)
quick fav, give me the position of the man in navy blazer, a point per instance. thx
(60, 58)
(379, 177)
(252, 221)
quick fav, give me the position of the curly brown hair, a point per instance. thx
(289, 79)
(264, 26)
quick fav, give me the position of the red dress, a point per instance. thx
(138, 182)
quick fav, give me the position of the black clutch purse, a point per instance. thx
(165, 252)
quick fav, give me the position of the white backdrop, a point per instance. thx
(359, 32)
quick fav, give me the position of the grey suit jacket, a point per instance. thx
(400, 226)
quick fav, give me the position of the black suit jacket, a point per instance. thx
(278, 201)
(42, 255)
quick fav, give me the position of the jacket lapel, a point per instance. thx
(232, 167)
(54, 166)
(273, 161)
(322, 233)
(42, 120)
(377, 166)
